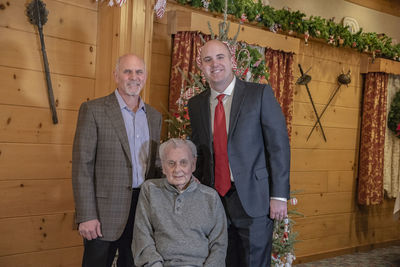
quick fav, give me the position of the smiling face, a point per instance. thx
(216, 65)
(130, 75)
(178, 165)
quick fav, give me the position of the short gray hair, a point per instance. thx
(125, 55)
(175, 143)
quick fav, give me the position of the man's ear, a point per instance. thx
(194, 164)
(115, 76)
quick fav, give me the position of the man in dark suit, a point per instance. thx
(244, 153)
(114, 151)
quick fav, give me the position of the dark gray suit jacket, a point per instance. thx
(258, 145)
(102, 164)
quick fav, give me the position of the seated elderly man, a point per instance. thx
(179, 222)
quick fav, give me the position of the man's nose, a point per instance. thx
(133, 76)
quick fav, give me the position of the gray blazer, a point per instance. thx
(258, 145)
(102, 164)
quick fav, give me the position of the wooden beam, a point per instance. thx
(379, 65)
(391, 7)
(126, 29)
(197, 21)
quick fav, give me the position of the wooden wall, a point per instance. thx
(327, 171)
(36, 208)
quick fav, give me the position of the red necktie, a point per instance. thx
(221, 172)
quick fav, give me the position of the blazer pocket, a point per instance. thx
(261, 173)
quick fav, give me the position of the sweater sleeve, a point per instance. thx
(143, 245)
(218, 237)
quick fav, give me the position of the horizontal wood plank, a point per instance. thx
(337, 138)
(29, 88)
(34, 125)
(309, 182)
(38, 233)
(30, 161)
(63, 257)
(326, 203)
(65, 57)
(319, 49)
(195, 20)
(342, 241)
(65, 21)
(323, 92)
(35, 197)
(89, 4)
(339, 117)
(322, 160)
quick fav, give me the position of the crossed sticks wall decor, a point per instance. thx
(304, 79)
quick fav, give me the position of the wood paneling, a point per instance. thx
(337, 138)
(37, 207)
(89, 4)
(65, 57)
(28, 88)
(64, 257)
(37, 233)
(198, 21)
(30, 161)
(311, 182)
(334, 116)
(321, 92)
(45, 197)
(34, 125)
(64, 21)
(161, 64)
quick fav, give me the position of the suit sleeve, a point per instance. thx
(83, 160)
(143, 245)
(194, 122)
(277, 145)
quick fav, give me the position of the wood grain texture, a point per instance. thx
(65, 57)
(29, 125)
(35, 197)
(31, 161)
(28, 88)
(65, 21)
(37, 233)
(63, 257)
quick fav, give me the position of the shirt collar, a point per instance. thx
(190, 188)
(227, 91)
(123, 105)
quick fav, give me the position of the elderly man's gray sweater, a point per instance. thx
(175, 228)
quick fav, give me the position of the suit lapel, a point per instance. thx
(237, 101)
(152, 126)
(113, 110)
(204, 109)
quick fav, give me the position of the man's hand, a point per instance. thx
(90, 229)
(277, 209)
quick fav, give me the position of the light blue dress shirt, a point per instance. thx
(137, 130)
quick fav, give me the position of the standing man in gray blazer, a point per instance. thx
(114, 151)
(243, 152)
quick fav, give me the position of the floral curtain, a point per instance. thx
(185, 51)
(280, 65)
(371, 163)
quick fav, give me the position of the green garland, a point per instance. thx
(291, 22)
(394, 115)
